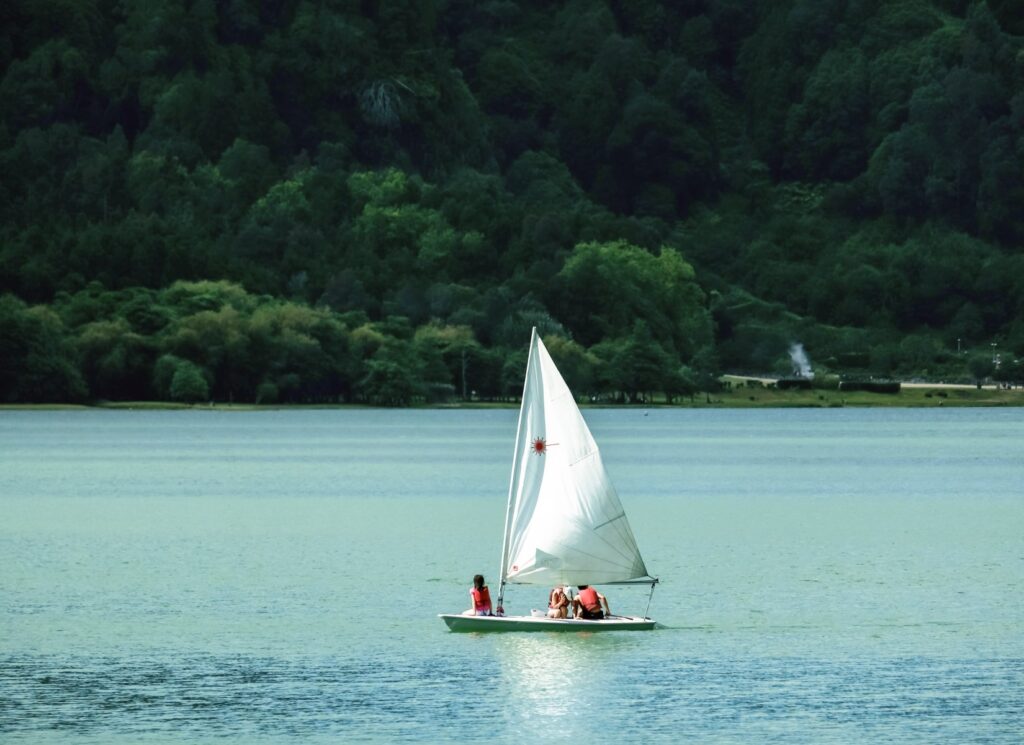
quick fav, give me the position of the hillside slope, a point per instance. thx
(375, 201)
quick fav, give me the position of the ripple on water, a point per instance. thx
(522, 682)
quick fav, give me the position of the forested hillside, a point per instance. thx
(299, 201)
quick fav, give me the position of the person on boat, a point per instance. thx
(587, 604)
(558, 603)
(480, 597)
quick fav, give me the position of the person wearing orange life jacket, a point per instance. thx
(480, 596)
(587, 604)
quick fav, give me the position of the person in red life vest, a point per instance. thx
(480, 596)
(588, 604)
(558, 603)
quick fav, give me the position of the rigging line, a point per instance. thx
(649, 598)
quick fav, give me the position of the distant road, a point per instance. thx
(948, 385)
(904, 384)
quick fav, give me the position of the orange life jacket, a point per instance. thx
(481, 599)
(588, 598)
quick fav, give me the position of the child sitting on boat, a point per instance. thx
(480, 597)
(558, 603)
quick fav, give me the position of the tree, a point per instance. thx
(276, 226)
(163, 375)
(392, 376)
(652, 150)
(188, 384)
(681, 382)
(116, 361)
(604, 288)
(825, 132)
(635, 366)
(310, 352)
(249, 167)
(455, 348)
(43, 87)
(576, 364)
(37, 359)
(981, 366)
(218, 341)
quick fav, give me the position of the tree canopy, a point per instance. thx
(338, 201)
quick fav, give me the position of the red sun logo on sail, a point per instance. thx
(540, 446)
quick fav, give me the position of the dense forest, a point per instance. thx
(344, 200)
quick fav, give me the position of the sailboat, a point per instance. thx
(564, 523)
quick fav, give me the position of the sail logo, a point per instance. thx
(539, 446)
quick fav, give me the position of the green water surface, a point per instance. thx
(827, 576)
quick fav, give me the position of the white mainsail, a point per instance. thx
(565, 523)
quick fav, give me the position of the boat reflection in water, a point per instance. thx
(568, 685)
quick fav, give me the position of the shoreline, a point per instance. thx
(912, 395)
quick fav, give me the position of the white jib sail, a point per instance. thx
(565, 523)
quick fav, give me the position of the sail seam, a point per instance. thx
(626, 563)
(610, 520)
(583, 457)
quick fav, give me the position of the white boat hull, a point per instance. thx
(459, 622)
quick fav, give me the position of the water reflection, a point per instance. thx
(564, 680)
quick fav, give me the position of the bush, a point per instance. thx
(871, 386)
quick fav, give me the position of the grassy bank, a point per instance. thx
(907, 397)
(734, 398)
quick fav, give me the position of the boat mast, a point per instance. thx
(512, 477)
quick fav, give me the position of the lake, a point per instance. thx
(828, 576)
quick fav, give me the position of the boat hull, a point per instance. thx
(459, 622)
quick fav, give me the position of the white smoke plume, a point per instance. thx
(801, 364)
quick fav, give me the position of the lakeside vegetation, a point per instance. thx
(732, 392)
(907, 397)
(298, 202)
(722, 399)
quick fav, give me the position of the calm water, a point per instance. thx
(828, 576)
